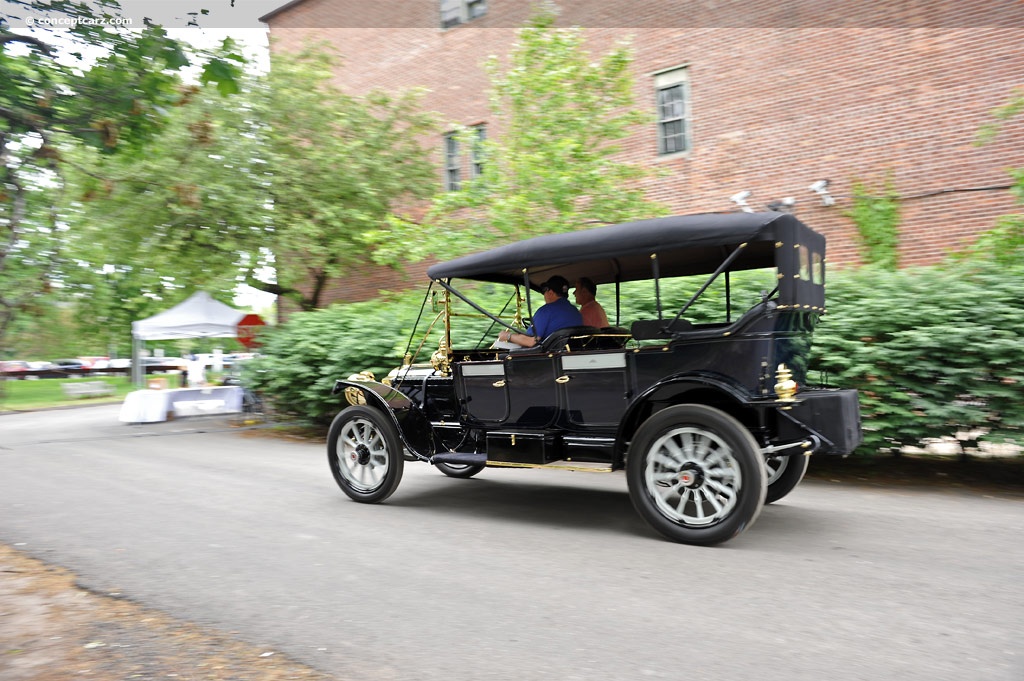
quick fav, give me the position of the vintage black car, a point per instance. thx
(710, 420)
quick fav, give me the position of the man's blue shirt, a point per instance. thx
(551, 317)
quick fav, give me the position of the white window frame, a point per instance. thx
(676, 78)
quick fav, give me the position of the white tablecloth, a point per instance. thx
(148, 406)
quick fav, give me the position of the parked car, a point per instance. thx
(167, 362)
(241, 356)
(68, 364)
(14, 368)
(709, 421)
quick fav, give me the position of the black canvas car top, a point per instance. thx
(682, 244)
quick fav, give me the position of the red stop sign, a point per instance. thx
(248, 328)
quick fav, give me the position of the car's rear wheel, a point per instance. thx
(458, 470)
(784, 474)
(365, 454)
(696, 475)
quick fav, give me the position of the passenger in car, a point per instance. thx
(593, 313)
(556, 313)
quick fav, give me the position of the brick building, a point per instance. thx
(754, 96)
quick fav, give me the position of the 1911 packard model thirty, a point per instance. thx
(710, 421)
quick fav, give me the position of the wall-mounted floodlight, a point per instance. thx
(821, 189)
(740, 199)
(782, 205)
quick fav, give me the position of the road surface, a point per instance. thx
(516, 574)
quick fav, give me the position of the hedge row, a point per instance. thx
(932, 350)
(301, 359)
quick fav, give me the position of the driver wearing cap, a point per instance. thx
(556, 313)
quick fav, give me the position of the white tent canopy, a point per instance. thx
(198, 317)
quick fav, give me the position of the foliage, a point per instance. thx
(1005, 242)
(231, 185)
(931, 350)
(560, 113)
(189, 214)
(877, 217)
(48, 331)
(53, 101)
(95, 326)
(302, 358)
(340, 167)
(1000, 115)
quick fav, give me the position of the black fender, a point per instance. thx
(412, 425)
(679, 389)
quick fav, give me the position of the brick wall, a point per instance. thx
(814, 96)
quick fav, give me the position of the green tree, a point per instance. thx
(560, 113)
(340, 166)
(189, 214)
(53, 101)
(291, 171)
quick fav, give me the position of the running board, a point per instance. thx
(480, 459)
(578, 466)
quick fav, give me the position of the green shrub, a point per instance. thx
(931, 350)
(303, 357)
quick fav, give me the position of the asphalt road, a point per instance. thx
(515, 574)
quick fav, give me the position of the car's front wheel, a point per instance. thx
(365, 454)
(696, 475)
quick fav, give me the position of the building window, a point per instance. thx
(673, 92)
(474, 137)
(476, 154)
(476, 8)
(452, 180)
(455, 12)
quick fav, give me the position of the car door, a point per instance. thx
(483, 390)
(533, 394)
(595, 387)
